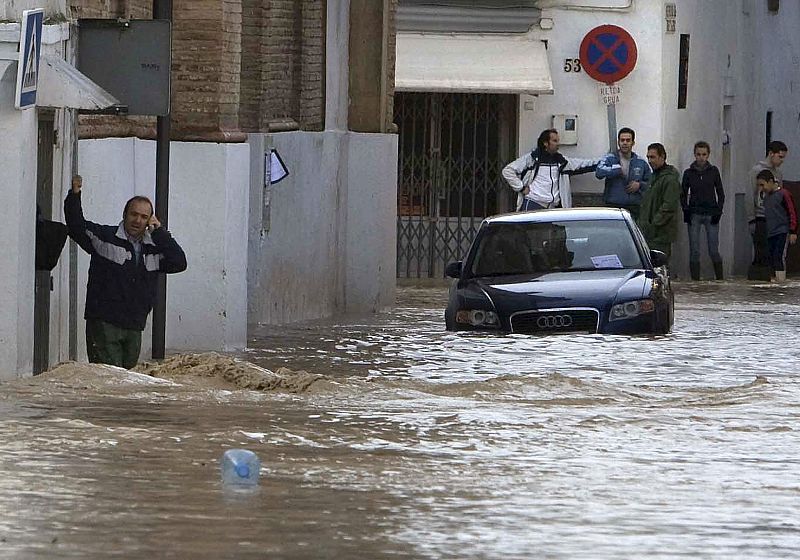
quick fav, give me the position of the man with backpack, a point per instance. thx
(541, 178)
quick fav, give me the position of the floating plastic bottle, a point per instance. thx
(240, 467)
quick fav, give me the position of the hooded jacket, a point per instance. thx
(658, 217)
(755, 199)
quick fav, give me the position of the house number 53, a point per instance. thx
(572, 65)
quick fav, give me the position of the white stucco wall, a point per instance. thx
(12, 9)
(776, 83)
(736, 60)
(371, 231)
(714, 32)
(17, 229)
(577, 93)
(741, 56)
(206, 304)
(327, 243)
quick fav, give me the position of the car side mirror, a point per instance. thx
(453, 269)
(658, 258)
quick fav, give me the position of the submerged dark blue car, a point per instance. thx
(585, 270)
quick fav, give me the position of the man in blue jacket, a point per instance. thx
(126, 260)
(627, 175)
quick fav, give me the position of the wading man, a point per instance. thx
(125, 262)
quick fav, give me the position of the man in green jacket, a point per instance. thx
(661, 204)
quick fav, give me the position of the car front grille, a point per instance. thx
(555, 321)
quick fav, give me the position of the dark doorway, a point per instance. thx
(44, 281)
(452, 149)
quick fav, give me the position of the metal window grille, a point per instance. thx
(452, 149)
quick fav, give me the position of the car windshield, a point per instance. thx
(531, 248)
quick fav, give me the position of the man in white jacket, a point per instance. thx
(542, 177)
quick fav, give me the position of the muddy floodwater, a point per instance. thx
(388, 437)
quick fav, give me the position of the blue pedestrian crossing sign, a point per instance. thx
(30, 46)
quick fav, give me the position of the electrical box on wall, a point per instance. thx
(567, 127)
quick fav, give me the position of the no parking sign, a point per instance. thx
(608, 53)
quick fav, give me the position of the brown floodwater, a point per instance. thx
(388, 437)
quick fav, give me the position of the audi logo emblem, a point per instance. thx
(554, 321)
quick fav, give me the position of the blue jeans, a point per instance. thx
(777, 250)
(528, 204)
(712, 238)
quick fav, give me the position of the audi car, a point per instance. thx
(579, 270)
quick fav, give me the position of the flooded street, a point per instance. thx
(404, 440)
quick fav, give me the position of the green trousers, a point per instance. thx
(109, 344)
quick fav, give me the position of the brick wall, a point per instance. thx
(312, 72)
(238, 66)
(206, 58)
(391, 57)
(131, 9)
(283, 85)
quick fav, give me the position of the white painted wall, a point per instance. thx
(12, 9)
(17, 229)
(741, 55)
(206, 304)
(715, 30)
(327, 242)
(777, 65)
(578, 93)
(370, 239)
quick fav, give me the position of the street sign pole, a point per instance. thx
(612, 127)
(162, 9)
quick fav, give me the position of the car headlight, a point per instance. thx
(631, 309)
(477, 318)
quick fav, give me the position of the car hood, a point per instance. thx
(595, 288)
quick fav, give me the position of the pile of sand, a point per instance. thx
(233, 372)
(83, 376)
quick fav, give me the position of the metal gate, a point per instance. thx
(453, 147)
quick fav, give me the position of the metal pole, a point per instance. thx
(162, 9)
(612, 128)
(73, 247)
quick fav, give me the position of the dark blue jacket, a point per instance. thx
(780, 213)
(701, 191)
(121, 291)
(614, 193)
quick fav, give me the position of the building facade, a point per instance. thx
(308, 78)
(716, 70)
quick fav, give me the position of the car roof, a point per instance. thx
(558, 215)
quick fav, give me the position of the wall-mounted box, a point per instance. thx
(567, 127)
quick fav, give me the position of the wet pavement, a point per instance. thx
(419, 443)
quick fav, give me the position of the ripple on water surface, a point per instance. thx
(389, 436)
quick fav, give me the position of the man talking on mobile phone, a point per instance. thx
(126, 260)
